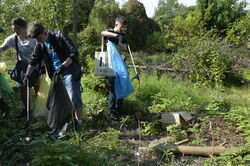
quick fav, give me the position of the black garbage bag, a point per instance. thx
(58, 103)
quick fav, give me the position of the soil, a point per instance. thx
(215, 131)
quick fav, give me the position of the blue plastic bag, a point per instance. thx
(123, 86)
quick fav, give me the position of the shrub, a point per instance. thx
(207, 59)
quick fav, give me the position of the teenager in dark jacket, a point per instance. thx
(60, 56)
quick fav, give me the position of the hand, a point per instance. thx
(26, 80)
(42, 70)
(61, 69)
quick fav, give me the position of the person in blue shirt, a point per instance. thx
(60, 56)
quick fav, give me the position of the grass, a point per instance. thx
(103, 146)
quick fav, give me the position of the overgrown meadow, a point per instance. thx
(193, 59)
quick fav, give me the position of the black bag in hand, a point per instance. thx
(58, 103)
(18, 73)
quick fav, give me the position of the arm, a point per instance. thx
(67, 62)
(109, 34)
(29, 70)
(3, 48)
(73, 53)
(121, 45)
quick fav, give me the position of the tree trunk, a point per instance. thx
(74, 21)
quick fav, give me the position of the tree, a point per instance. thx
(103, 14)
(167, 10)
(219, 14)
(139, 25)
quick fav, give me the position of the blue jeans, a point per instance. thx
(115, 104)
(73, 88)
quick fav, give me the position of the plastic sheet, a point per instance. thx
(58, 103)
(42, 95)
(123, 86)
(4, 85)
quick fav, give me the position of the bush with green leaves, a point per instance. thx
(239, 32)
(220, 14)
(164, 41)
(208, 59)
(235, 156)
(176, 133)
(239, 115)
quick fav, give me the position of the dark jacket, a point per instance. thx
(64, 48)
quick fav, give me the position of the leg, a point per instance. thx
(74, 92)
(78, 113)
(119, 105)
(112, 97)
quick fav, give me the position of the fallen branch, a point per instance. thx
(191, 150)
(182, 142)
(156, 67)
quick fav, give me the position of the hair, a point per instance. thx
(19, 22)
(122, 20)
(35, 29)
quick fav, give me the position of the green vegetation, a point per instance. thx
(193, 59)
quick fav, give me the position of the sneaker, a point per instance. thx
(23, 114)
(57, 134)
(60, 133)
(114, 116)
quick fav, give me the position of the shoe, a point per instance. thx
(60, 133)
(23, 114)
(57, 134)
(114, 116)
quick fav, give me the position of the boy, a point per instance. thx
(26, 46)
(60, 56)
(117, 36)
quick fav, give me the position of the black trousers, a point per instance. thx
(115, 104)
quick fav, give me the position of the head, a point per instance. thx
(19, 26)
(120, 23)
(36, 30)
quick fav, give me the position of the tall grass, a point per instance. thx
(164, 95)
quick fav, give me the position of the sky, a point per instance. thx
(150, 5)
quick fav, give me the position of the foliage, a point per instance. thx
(219, 14)
(237, 156)
(167, 10)
(62, 153)
(164, 41)
(103, 15)
(208, 59)
(165, 95)
(149, 128)
(139, 25)
(176, 133)
(88, 44)
(240, 115)
(239, 31)
(197, 132)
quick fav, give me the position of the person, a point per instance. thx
(117, 36)
(60, 56)
(26, 46)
